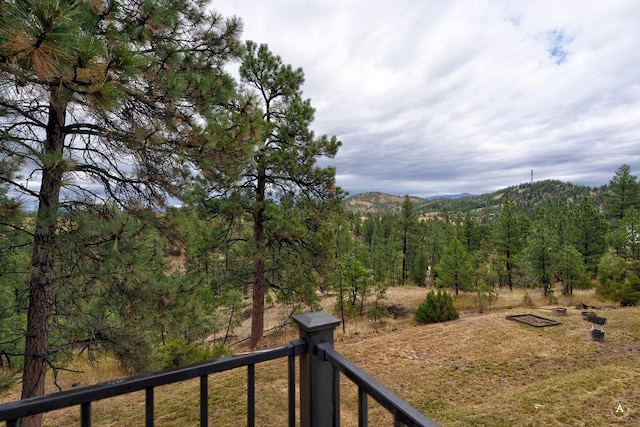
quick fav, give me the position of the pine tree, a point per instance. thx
(106, 102)
(408, 223)
(454, 269)
(623, 193)
(508, 237)
(571, 269)
(436, 307)
(14, 268)
(283, 166)
(588, 231)
(630, 227)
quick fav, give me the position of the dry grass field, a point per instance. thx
(479, 370)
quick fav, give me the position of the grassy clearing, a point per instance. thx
(480, 370)
(485, 370)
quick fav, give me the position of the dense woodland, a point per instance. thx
(171, 200)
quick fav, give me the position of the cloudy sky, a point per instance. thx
(434, 97)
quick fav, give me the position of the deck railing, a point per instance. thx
(319, 377)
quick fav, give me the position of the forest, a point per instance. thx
(149, 201)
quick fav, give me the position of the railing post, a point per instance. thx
(316, 376)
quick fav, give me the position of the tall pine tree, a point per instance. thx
(282, 173)
(508, 237)
(588, 231)
(455, 269)
(624, 193)
(105, 101)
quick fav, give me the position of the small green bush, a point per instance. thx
(485, 296)
(436, 307)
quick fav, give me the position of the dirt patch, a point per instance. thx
(533, 320)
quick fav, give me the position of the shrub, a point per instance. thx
(436, 307)
(485, 295)
(527, 299)
(619, 279)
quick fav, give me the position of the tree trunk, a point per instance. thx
(257, 314)
(42, 275)
(404, 257)
(509, 272)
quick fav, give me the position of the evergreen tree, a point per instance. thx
(420, 268)
(386, 254)
(619, 279)
(357, 285)
(283, 164)
(454, 269)
(571, 269)
(368, 228)
(623, 193)
(436, 307)
(105, 101)
(435, 240)
(612, 274)
(408, 223)
(301, 250)
(215, 273)
(545, 242)
(114, 276)
(616, 240)
(555, 216)
(508, 237)
(14, 268)
(470, 233)
(630, 227)
(588, 231)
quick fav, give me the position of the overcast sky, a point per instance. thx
(434, 97)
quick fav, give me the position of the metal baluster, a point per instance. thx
(363, 415)
(204, 401)
(336, 397)
(85, 414)
(292, 391)
(148, 410)
(251, 395)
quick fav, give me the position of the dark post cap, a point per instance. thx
(316, 321)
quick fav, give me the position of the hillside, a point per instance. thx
(380, 203)
(526, 196)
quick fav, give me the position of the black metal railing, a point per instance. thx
(320, 368)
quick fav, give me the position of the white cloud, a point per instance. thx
(433, 97)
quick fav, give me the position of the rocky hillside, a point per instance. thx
(526, 196)
(381, 203)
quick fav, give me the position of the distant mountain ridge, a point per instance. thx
(527, 197)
